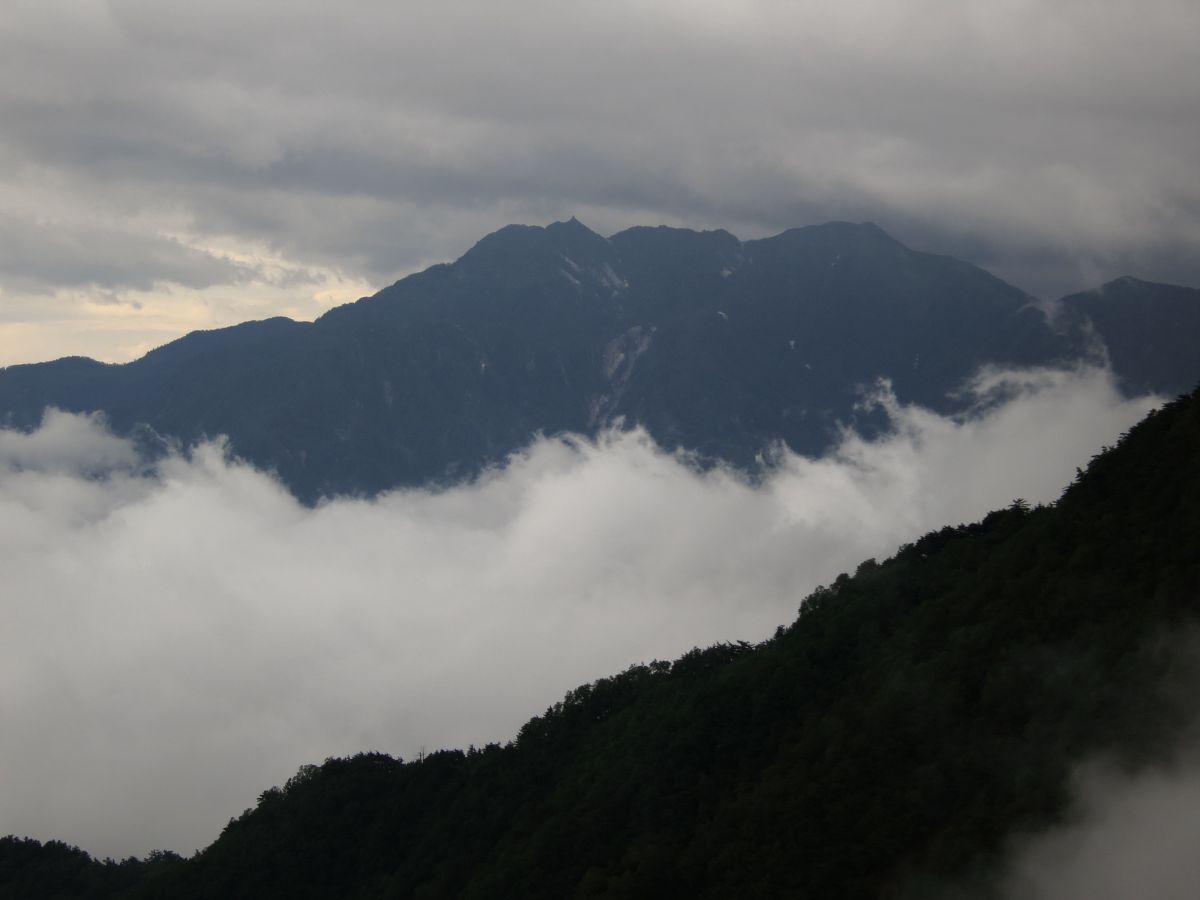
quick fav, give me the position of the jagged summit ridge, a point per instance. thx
(714, 344)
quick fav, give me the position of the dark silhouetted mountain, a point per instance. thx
(1151, 331)
(890, 741)
(713, 344)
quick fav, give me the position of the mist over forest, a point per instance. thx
(182, 633)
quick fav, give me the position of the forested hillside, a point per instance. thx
(890, 739)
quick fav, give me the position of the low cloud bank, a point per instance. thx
(1132, 836)
(175, 639)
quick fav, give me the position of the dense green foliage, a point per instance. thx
(714, 344)
(913, 716)
(30, 869)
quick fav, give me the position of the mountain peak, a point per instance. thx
(1126, 284)
(832, 242)
(570, 225)
(520, 245)
(1124, 281)
(845, 230)
(574, 233)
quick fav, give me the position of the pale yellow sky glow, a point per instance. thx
(121, 326)
(168, 166)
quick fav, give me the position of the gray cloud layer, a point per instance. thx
(1131, 836)
(174, 641)
(33, 254)
(1053, 141)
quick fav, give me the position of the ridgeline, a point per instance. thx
(720, 346)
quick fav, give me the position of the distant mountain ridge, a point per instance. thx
(1154, 349)
(721, 346)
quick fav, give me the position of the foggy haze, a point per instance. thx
(177, 638)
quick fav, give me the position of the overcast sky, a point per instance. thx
(166, 166)
(173, 642)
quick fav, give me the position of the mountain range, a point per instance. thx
(723, 347)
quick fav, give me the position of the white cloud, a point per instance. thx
(174, 641)
(1128, 835)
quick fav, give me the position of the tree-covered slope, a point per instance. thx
(715, 344)
(913, 717)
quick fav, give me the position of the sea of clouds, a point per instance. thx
(178, 635)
